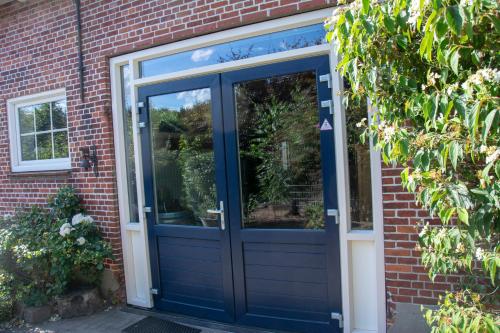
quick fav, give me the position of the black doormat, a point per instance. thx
(156, 325)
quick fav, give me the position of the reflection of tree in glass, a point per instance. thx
(281, 147)
(359, 163)
(184, 159)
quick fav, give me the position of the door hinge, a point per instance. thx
(153, 291)
(339, 317)
(141, 124)
(327, 104)
(140, 104)
(147, 209)
(334, 213)
(326, 78)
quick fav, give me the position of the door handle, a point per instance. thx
(220, 212)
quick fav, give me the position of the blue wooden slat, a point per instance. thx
(285, 248)
(285, 259)
(285, 288)
(191, 290)
(286, 273)
(298, 303)
(288, 313)
(191, 266)
(204, 280)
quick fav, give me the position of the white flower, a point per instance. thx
(65, 229)
(479, 253)
(80, 241)
(389, 132)
(493, 156)
(79, 218)
(424, 230)
(483, 149)
(7, 216)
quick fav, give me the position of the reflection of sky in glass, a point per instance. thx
(180, 100)
(240, 49)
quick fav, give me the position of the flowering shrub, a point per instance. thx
(47, 252)
(431, 70)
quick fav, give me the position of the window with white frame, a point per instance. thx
(38, 132)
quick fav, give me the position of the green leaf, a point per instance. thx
(463, 215)
(366, 6)
(454, 57)
(488, 122)
(454, 19)
(455, 152)
(389, 24)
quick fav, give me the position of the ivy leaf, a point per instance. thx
(454, 19)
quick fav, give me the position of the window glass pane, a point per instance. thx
(27, 119)
(184, 166)
(279, 152)
(44, 146)
(28, 150)
(360, 184)
(59, 119)
(129, 144)
(236, 50)
(61, 144)
(42, 117)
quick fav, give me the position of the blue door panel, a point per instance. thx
(281, 279)
(295, 254)
(191, 266)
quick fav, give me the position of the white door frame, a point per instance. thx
(356, 277)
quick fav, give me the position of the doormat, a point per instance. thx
(156, 325)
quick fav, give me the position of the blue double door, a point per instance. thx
(239, 175)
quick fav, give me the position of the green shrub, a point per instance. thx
(44, 253)
(430, 68)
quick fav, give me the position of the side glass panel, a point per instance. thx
(129, 144)
(241, 49)
(360, 184)
(279, 152)
(183, 157)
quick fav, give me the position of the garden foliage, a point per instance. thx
(46, 252)
(430, 69)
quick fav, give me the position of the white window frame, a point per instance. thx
(17, 164)
(356, 280)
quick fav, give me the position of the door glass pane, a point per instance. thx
(279, 152)
(184, 166)
(360, 181)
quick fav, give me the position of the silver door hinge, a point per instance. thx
(141, 124)
(339, 317)
(326, 78)
(153, 291)
(334, 213)
(140, 104)
(327, 104)
(147, 209)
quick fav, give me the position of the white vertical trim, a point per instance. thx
(342, 189)
(378, 230)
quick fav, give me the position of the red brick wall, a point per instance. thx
(406, 279)
(38, 53)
